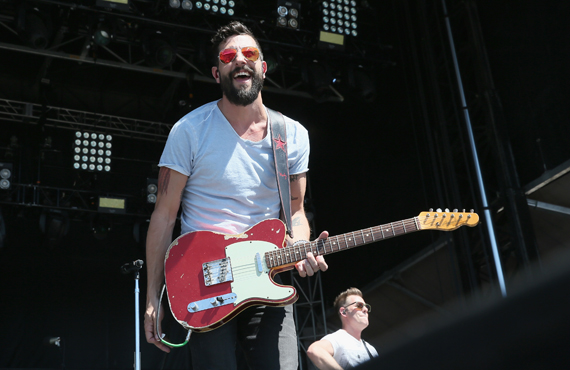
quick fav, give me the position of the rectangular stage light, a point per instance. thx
(114, 4)
(112, 205)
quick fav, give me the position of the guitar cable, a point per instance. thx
(160, 335)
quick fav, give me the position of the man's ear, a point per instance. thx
(216, 74)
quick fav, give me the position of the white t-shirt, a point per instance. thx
(232, 184)
(349, 351)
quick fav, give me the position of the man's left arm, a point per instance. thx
(300, 226)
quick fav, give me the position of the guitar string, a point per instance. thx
(366, 236)
(351, 239)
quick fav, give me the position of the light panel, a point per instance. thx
(5, 176)
(217, 7)
(288, 14)
(339, 16)
(92, 151)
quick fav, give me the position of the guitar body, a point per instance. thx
(211, 277)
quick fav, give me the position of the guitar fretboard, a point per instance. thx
(294, 254)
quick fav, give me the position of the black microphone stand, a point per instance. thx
(135, 267)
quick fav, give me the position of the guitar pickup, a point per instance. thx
(217, 272)
(212, 302)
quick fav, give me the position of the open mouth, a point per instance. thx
(242, 76)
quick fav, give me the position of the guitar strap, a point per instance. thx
(367, 350)
(279, 144)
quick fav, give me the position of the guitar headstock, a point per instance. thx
(447, 221)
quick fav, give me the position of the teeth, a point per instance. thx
(242, 74)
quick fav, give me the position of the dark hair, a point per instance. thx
(232, 29)
(340, 300)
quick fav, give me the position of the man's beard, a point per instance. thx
(243, 96)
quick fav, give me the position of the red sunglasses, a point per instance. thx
(249, 52)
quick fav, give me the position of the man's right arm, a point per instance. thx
(170, 186)
(321, 353)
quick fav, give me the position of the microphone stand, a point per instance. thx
(135, 267)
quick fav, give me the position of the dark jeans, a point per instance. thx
(266, 335)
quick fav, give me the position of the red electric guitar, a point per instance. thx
(211, 277)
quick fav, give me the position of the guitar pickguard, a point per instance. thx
(249, 281)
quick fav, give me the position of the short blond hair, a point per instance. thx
(340, 300)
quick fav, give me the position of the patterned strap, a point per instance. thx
(279, 144)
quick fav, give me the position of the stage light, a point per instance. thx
(218, 7)
(159, 52)
(54, 224)
(317, 76)
(187, 5)
(339, 16)
(288, 14)
(362, 83)
(92, 151)
(34, 28)
(151, 190)
(114, 4)
(5, 176)
(111, 205)
(174, 3)
(103, 34)
(272, 63)
(100, 226)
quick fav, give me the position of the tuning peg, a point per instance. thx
(431, 209)
(472, 211)
(463, 210)
(438, 210)
(447, 210)
(455, 210)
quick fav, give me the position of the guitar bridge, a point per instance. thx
(212, 302)
(217, 272)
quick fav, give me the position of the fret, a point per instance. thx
(392, 225)
(400, 229)
(345, 241)
(324, 250)
(325, 246)
(271, 260)
(404, 225)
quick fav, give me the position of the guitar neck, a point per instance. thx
(294, 254)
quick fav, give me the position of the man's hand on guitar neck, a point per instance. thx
(312, 264)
